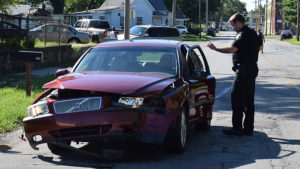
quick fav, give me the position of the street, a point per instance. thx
(274, 145)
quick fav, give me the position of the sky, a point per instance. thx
(250, 4)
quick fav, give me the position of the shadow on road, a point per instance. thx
(210, 148)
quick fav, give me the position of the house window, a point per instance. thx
(139, 20)
(101, 17)
(122, 21)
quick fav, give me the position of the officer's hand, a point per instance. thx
(211, 45)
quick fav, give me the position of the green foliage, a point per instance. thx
(4, 4)
(79, 5)
(231, 7)
(190, 37)
(289, 11)
(191, 8)
(14, 102)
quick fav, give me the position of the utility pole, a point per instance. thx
(127, 19)
(266, 18)
(298, 17)
(173, 12)
(206, 17)
(271, 19)
(256, 14)
(200, 18)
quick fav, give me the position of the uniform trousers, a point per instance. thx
(242, 98)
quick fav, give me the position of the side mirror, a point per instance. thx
(61, 72)
(146, 35)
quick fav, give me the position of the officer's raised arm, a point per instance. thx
(230, 49)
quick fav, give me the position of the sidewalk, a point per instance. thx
(34, 74)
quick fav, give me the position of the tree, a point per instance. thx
(289, 11)
(231, 7)
(4, 5)
(79, 5)
(191, 8)
(58, 5)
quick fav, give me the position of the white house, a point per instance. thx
(152, 12)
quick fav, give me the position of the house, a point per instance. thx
(152, 12)
(22, 12)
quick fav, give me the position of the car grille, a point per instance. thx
(77, 105)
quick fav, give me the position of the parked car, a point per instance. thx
(153, 32)
(8, 30)
(286, 34)
(211, 32)
(56, 31)
(148, 90)
(97, 28)
(182, 29)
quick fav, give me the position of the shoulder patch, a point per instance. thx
(238, 37)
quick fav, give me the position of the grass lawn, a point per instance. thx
(189, 37)
(293, 41)
(271, 36)
(39, 43)
(14, 102)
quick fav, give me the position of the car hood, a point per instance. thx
(113, 82)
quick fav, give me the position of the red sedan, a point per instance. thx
(148, 90)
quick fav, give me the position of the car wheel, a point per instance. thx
(95, 39)
(74, 41)
(56, 149)
(177, 135)
(203, 126)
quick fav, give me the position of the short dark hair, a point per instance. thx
(237, 17)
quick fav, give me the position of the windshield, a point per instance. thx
(137, 30)
(130, 59)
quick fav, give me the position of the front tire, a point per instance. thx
(177, 135)
(203, 126)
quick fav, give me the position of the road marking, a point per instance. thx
(226, 90)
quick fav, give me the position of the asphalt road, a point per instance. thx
(275, 143)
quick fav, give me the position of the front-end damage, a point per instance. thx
(148, 122)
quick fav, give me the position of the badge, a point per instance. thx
(238, 37)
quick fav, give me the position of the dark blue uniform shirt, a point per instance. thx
(247, 42)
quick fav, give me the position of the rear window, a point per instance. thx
(99, 24)
(163, 32)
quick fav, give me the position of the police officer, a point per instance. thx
(245, 51)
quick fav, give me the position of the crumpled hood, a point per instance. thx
(112, 82)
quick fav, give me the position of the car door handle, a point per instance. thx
(193, 81)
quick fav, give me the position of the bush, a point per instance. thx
(28, 42)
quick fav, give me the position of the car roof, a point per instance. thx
(154, 43)
(92, 20)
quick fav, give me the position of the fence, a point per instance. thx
(15, 29)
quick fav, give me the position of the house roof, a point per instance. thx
(113, 4)
(157, 13)
(24, 10)
(158, 5)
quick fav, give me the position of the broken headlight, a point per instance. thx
(133, 102)
(38, 108)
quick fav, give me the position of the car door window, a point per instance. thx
(85, 24)
(194, 62)
(50, 28)
(78, 24)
